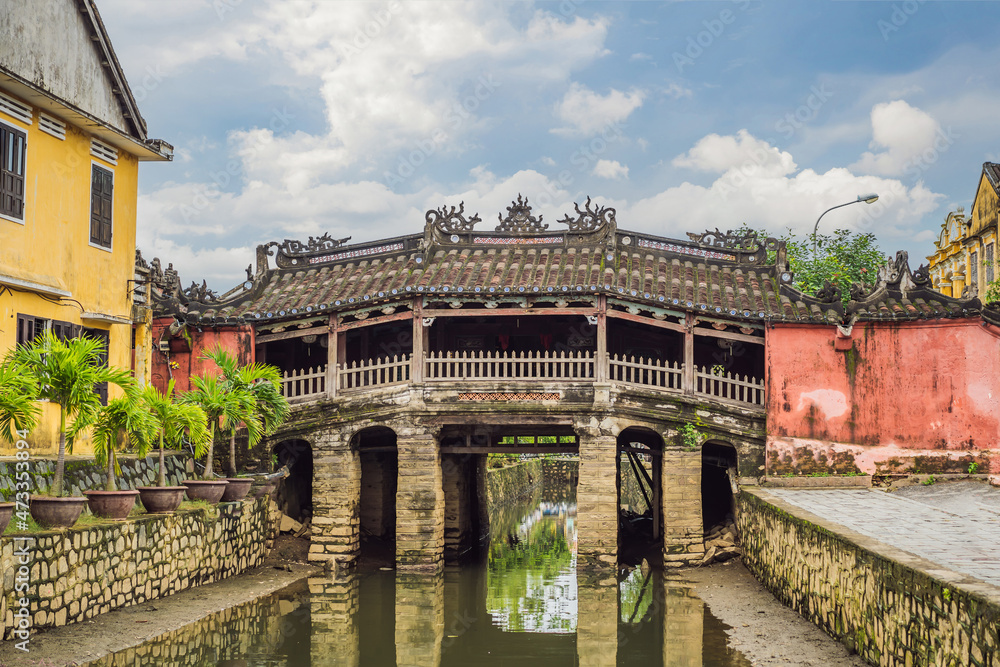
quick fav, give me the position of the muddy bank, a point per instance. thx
(761, 628)
(81, 643)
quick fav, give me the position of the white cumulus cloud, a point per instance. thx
(586, 112)
(900, 133)
(610, 169)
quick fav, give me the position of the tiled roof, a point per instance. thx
(724, 275)
(904, 295)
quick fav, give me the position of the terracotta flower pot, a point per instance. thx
(161, 499)
(111, 504)
(209, 490)
(237, 489)
(52, 512)
(6, 512)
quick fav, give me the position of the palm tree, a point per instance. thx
(18, 392)
(224, 409)
(123, 418)
(174, 420)
(66, 372)
(261, 381)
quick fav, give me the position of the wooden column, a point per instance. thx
(332, 358)
(688, 376)
(419, 341)
(601, 363)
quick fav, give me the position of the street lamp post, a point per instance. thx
(869, 198)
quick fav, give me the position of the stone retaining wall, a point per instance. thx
(82, 474)
(78, 573)
(879, 600)
(517, 481)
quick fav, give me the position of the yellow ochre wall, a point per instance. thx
(53, 248)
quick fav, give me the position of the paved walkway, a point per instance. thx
(954, 524)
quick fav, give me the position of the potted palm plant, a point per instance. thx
(18, 415)
(123, 419)
(174, 421)
(224, 410)
(269, 409)
(66, 372)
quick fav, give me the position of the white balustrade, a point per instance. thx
(304, 383)
(509, 366)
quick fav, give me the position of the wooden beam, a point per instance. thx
(419, 341)
(728, 335)
(332, 358)
(298, 333)
(512, 312)
(372, 321)
(509, 449)
(499, 419)
(662, 324)
(687, 377)
(601, 360)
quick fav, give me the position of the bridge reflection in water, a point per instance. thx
(522, 604)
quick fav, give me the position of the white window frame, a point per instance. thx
(27, 134)
(90, 202)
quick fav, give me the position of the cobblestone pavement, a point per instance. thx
(954, 524)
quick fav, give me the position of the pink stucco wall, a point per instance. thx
(914, 397)
(185, 352)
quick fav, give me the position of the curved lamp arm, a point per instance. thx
(868, 199)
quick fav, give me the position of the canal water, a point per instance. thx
(523, 603)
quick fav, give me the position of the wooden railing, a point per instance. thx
(727, 387)
(509, 366)
(646, 373)
(374, 373)
(665, 376)
(307, 382)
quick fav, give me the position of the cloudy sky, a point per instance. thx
(294, 118)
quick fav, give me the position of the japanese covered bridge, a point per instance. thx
(409, 359)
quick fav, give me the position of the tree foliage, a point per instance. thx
(124, 423)
(174, 422)
(18, 392)
(842, 259)
(66, 372)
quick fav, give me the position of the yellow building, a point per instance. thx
(71, 139)
(966, 254)
(948, 264)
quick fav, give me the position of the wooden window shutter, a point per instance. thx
(13, 151)
(101, 199)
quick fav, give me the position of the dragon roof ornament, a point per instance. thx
(519, 219)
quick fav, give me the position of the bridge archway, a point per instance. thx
(640, 495)
(294, 493)
(719, 472)
(378, 455)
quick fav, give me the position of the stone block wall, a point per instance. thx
(683, 532)
(83, 474)
(75, 574)
(513, 482)
(879, 600)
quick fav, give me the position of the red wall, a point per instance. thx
(915, 397)
(186, 350)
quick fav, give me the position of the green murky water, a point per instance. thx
(524, 604)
